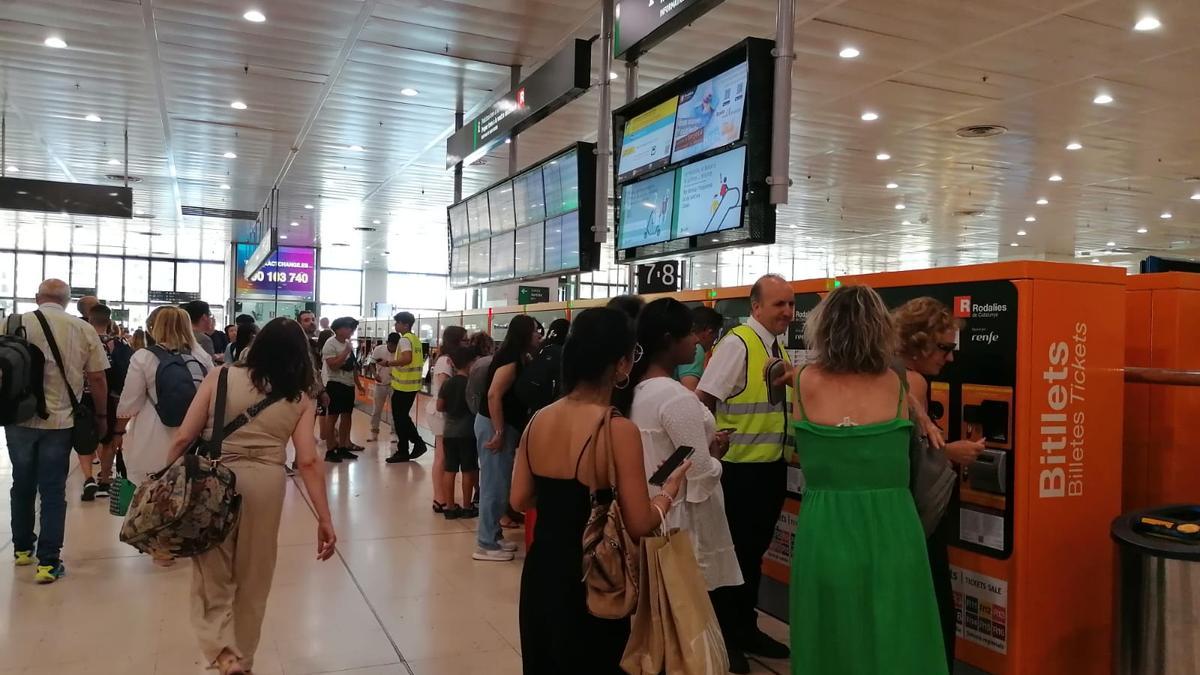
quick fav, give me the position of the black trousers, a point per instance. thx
(938, 547)
(402, 421)
(754, 494)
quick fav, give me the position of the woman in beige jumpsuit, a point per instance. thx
(231, 582)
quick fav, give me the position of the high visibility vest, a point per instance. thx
(408, 378)
(760, 429)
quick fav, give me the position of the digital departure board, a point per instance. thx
(536, 224)
(693, 158)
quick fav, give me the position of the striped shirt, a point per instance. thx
(82, 352)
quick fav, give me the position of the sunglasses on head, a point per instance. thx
(947, 347)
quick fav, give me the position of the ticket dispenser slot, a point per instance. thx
(989, 471)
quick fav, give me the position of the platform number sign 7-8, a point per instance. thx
(659, 277)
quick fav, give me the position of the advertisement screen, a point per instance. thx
(502, 256)
(710, 115)
(646, 140)
(570, 241)
(529, 198)
(531, 250)
(562, 184)
(458, 224)
(710, 194)
(647, 211)
(500, 206)
(477, 218)
(291, 272)
(481, 262)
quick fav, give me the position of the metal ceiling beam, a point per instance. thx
(156, 71)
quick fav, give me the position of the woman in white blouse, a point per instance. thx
(141, 436)
(453, 337)
(670, 416)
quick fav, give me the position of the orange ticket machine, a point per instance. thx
(1037, 377)
(1162, 321)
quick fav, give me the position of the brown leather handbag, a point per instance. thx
(610, 556)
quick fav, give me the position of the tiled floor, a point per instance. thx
(401, 597)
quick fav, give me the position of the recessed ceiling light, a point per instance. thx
(892, 186)
(1095, 261)
(238, 105)
(55, 42)
(849, 53)
(900, 207)
(1043, 201)
(308, 206)
(1196, 196)
(283, 236)
(1014, 244)
(1147, 23)
(92, 117)
(1030, 219)
(883, 157)
(612, 75)
(230, 155)
(1166, 215)
(792, 226)
(508, 141)
(409, 91)
(12, 169)
(1111, 243)
(1055, 178)
(1102, 99)
(1142, 230)
(1021, 233)
(255, 16)
(906, 222)
(715, 240)
(295, 224)
(375, 222)
(114, 162)
(1074, 145)
(225, 186)
(870, 116)
(355, 148)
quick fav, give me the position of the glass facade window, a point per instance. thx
(417, 291)
(137, 279)
(29, 274)
(57, 267)
(110, 276)
(83, 271)
(8, 284)
(213, 282)
(162, 275)
(342, 287)
(187, 277)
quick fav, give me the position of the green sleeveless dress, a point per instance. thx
(862, 600)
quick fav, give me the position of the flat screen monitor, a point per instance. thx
(458, 224)
(502, 256)
(500, 207)
(711, 194)
(561, 177)
(647, 211)
(710, 114)
(646, 140)
(481, 262)
(460, 262)
(531, 250)
(570, 241)
(478, 219)
(529, 198)
(554, 257)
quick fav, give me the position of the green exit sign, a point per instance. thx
(531, 295)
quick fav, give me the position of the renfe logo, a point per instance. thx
(962, 307)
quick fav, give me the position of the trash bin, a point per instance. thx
(1160, 591)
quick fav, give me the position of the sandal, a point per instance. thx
(439, 507)
(228, 663)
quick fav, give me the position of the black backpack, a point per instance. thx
(540, 382)
(176, 380)
(22, 367)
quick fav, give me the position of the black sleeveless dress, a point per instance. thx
(558, 635)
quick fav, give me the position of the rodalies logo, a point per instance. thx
(964, 308)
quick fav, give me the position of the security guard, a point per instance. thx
(754, 474)
(406, 382)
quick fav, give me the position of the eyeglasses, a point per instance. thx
(947, 347)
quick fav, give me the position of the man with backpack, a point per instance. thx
(119, 354)
(39, 447)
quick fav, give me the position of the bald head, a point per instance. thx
(773, 303)
(85, 304)
(55, 291)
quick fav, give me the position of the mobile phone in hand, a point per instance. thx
(668, 467)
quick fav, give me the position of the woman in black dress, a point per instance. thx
(558, 635)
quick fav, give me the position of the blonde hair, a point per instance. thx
(172, 328)
(919, 322)
(851, 332)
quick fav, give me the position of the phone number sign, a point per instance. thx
(291, 272)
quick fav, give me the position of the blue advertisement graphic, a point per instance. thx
(710, 115)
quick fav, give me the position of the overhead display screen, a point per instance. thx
(710, 114)
(539, 223)
(529, 198)
(291, 272)
(710, 194)
(647, 210)
(646, 142)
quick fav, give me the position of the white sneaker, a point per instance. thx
(499, 555)
(506, 545)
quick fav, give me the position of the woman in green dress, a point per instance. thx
(862, 600)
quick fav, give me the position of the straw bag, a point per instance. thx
(610, 557)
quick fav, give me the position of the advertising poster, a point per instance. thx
(980, 608)
(646, 143)
(710, 194)
(290, 273)
(647, 211)
(777, 563)
(710, 115)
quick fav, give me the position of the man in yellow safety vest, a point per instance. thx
(754, 475)
(406, 382)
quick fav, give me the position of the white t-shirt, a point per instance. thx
(383, 375)
(725, 374)
(334, 347)
(443, 369)
(669, 416)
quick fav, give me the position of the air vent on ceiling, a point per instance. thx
(981, 131)
(365, 228)
(1191, 179)
(340, 243)
(122, 177)
(228, 214)
(149, 234)
(969, 213)
(144, 216)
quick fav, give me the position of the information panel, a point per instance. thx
(710, 115)
(647, 211)
(291, 273)
(500, 208)
(529, 199)
(502, 256)
(646, 143)
(531, 250)
(710, 194)
(479, 221)
(458, 225)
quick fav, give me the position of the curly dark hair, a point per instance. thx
(919, 322)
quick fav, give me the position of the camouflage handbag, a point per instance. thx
(192, 505)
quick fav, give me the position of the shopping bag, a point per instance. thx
(120, 494)
(644, 651)
(693, 639)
